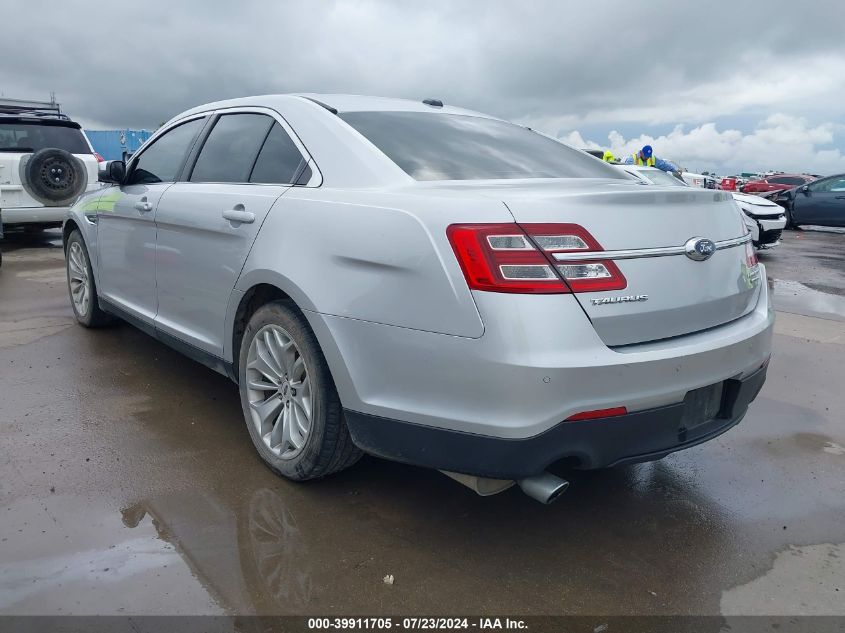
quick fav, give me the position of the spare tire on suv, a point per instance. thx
(53, 176)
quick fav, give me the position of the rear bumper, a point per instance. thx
(539, 361)
(636, 437)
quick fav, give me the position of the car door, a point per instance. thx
(208, 221)
(821, 202)
(126, 231)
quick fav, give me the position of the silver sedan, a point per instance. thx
(427, 284)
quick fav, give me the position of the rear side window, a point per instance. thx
(231, 148)
(31, 137)
(161, 161)
(439, 146)
(279, 161)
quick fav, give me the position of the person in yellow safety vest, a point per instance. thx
(608, 156)
(645, 157)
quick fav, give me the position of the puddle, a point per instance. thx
(833, 448)
(793, 296)
(65, 557)
(816, 442)
(807, 580)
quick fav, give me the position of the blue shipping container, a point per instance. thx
(115, 144)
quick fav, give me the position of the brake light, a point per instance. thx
(99, 158)
(597, 413)
(531, 258)
(501, 258)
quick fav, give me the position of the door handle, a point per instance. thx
(238, 214)
(143, 206)
(840, 197)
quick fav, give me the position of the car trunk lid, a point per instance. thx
(644, 231)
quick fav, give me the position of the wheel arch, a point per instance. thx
(250, 301)
(89, 239)
(248, 298)
(69, 227)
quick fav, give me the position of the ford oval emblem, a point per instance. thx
(699, 248)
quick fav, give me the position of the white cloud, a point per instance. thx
(781, 142)
(799, 84)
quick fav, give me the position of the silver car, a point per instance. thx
(430, 285)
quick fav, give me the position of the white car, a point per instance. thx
(46, 163)
(699, 180)
(765, 219)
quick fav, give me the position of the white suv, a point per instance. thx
(46, 163)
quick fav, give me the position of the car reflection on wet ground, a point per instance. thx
(129, 485)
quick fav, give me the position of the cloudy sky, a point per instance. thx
(740, 86)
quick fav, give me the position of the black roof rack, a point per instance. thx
(40, 109)
(321, 104)
(434, 103)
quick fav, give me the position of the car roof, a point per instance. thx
(338, 102)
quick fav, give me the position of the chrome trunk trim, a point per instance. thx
(643, 252)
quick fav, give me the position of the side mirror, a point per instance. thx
(114, 171)
(804, 189)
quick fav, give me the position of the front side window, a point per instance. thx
(439, 146)
(161, 161)
(31, 137)
(828, 185)
(231, 148)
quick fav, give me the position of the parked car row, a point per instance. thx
(765, 219)
(770, 203)
(779, 182)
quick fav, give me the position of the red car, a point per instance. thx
(778, 182)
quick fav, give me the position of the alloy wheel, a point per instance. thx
(80, 284)
(279, 391)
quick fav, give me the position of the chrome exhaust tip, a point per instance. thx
(544, 487)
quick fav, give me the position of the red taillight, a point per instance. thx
(99, 158)
(750, 255)
(530, 258)
(597, 413)
(500, 258)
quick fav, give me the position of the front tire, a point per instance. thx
(289, 400)
(81, 285)
(790, 221)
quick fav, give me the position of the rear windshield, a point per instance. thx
(436, 146)
(31, 137)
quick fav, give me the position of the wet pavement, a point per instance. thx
(128, 484)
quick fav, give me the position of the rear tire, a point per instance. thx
(290, 404)
(81, 285)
